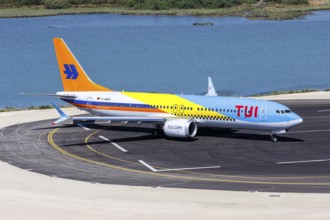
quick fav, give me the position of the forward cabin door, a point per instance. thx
(89, 102)
(263, 115)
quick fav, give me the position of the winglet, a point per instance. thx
(210, 89)
(63, 117)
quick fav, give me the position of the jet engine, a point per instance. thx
(180, 128)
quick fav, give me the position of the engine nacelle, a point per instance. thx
(181, 128)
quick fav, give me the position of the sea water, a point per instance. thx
(165, 54)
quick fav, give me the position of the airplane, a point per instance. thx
(178, 115)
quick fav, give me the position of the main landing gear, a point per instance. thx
(158, 131)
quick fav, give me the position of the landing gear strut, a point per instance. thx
(158, 131)
(273, 137)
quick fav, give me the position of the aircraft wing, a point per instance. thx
(128, 119)
(65, 117)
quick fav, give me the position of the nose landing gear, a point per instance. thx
(273, 135)
(273, 138)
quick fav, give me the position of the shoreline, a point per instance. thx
(269, 12)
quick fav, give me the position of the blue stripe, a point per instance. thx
(110, 104)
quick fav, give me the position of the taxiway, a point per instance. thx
(127, 154)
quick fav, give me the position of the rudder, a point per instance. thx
(72, 74)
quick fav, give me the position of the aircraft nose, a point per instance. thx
(299, 121)
(296, 120)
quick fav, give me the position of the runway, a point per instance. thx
(128, 154)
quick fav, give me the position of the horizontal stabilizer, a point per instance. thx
(63, 117)
(54, 95)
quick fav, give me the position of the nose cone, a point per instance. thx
(298, 121)
(295, 120)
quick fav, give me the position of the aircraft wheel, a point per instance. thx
(157, 133)
(273, 138)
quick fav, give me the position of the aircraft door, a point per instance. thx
(263, 115)
(175, 108)
(181, 110)
(89, 102)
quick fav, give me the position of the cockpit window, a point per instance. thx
(283, 111)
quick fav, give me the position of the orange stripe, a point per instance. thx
(120, 108)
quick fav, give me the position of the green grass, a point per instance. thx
(271, 11)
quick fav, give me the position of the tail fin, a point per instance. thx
(73, 75)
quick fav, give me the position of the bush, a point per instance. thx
(57, 4)
(295, 2)
(30, 2)
(156, 5)
(21, 2)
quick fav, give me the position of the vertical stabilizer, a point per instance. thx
(72, 74)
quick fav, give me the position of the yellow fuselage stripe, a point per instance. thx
(173, 104)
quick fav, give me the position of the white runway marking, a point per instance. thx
(310, 131)
(323, 110)
(82, 126)
(297, 132)
(147, 165)
(114, 144)
(178, 169)
(303, 161)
